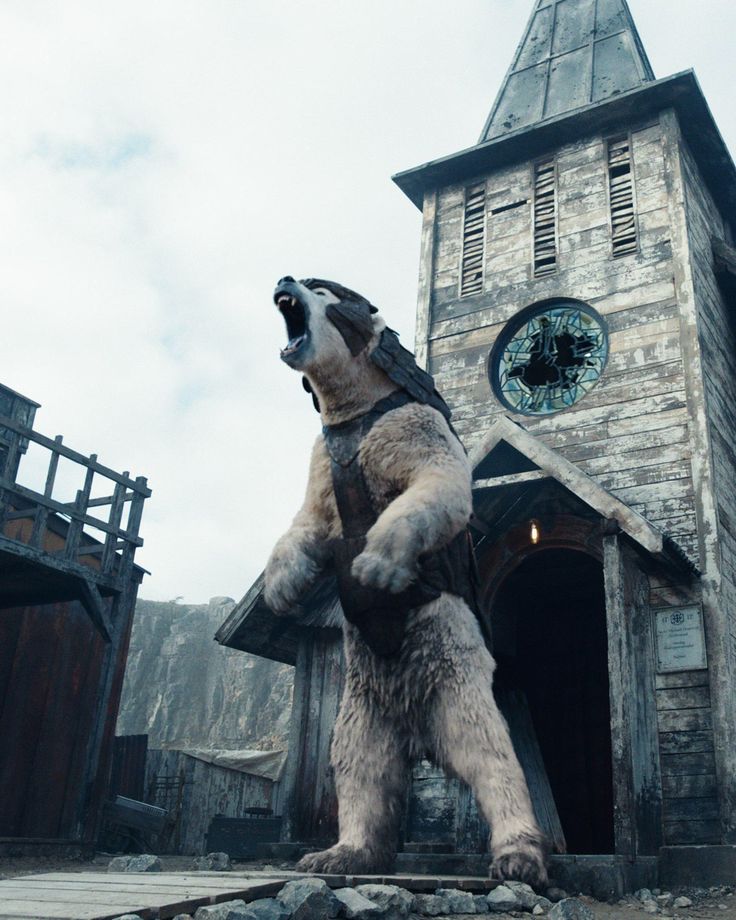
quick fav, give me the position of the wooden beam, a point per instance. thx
(95, 606)
(510, 480)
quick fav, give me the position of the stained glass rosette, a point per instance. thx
(550, 360)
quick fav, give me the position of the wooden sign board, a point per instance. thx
(680, 639)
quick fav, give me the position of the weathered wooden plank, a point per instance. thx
(694, 787)
(683, 679)
(15, 909)
(685, 720)
(681, 698)
(680, 742)
(692, 809)
(683, 832)
(688, 764)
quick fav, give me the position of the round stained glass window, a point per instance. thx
(548, 357)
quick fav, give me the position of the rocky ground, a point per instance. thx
(310, 900)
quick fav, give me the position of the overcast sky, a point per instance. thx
(164, 162)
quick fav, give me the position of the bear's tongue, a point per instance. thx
(293, 345)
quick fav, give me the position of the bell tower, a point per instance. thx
(576, 308)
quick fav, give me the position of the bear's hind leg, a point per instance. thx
(471, 738)
(369, 756)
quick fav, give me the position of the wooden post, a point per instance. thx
(637, 785)
(309, 800)
(426, 277)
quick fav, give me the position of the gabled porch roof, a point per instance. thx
(509, 455)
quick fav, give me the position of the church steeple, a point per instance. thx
(573, 53)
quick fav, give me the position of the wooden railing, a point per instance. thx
(53, 531)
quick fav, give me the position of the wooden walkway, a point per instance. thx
(160, 895)
(104, 895)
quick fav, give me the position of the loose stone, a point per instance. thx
(571, 909)
(309, 899)
(266, 909)
(213, 862)
(228, 910)
(355, 906)
(458, 902)
(146, 862)
(394, 902)
(503, 899)
(431, 905)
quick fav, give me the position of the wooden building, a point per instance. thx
(68, 586)
(576, 308)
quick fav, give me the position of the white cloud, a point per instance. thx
(164, 163)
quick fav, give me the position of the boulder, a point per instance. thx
(570, 909)
(538, 910)
(395, 903)
(650, 906)
(502, 899)
(556, 894)
(481, 903)
(643, 894)
(228, 910)
(212, 862)
(355, 906)
(309, 899)
(682, 902)
(266, 909)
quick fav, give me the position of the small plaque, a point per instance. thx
(680, 639)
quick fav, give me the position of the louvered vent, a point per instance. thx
(471, 281)
(545, 219)
(621, 189)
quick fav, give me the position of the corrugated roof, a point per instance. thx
(573, 53)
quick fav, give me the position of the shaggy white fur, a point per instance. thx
(436, 697)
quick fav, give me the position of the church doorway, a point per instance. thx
(550, 644)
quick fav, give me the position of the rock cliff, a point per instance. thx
(182, 689)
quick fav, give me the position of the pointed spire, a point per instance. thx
(573, 53)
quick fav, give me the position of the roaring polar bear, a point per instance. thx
(387, 507)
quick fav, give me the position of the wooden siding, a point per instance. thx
(716, 344)
(631, 431)
(52, 663)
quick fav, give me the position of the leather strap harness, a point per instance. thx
(379, 615)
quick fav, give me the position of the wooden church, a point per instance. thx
(577, 308)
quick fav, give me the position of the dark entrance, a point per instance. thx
(550, 642)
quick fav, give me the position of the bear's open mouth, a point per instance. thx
(295, 316)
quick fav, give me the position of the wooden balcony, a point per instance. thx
(58, 550)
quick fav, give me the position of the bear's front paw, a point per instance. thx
(523, 860)
(375, 570)
(288, 576)
(344, 860)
